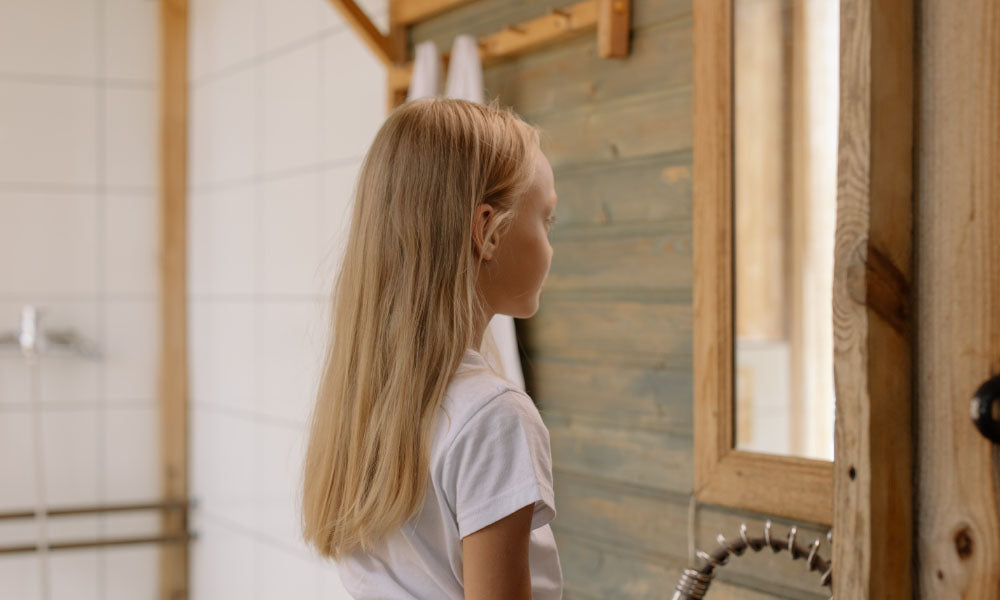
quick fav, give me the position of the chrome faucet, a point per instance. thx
(33, 341)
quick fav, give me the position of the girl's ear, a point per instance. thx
(480, 223)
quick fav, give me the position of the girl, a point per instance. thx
(427, 474)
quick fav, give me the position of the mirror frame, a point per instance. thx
(786, 486)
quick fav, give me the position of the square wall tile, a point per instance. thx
(132, 573)
(222, 252)
(278, 456)
(131, 244)
(50, 37)
(223, 125)
(132, 349)
(222, 562)
(354, 92)
(287, 364)
(222, 453)
(290, 21)
(17, 461)
(222, 341)
(291, 109)
(21, 575)
(131, 452)
(55, 128)
(288, 234)
(73, 575)
(336, 209)
(223, 33)
(70, 456)
(131, 40)
(132, 151)
(279, 574)
(48, 244)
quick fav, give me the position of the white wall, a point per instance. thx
(78, 237)
(284, 102)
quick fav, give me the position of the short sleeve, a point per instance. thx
(499, 462)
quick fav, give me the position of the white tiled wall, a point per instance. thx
(284, 102)
(78, 237)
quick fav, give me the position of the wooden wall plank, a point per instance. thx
(596, 572)
(658, 256)
(655, 187)
(617, 454)
(628, 127)
(958, 284)
(616, 391)
(572, 73)
(638, 520)
(584, 329)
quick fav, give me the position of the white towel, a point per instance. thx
(465, 81)
(465, 71)
(426, 78)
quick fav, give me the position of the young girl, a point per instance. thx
(427, 474)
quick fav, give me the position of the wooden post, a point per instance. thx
(873, 508)
(173, 371)
(958, 285)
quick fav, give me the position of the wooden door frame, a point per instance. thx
(873, 502)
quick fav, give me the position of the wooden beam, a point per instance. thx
(407, 12)
(873, 501)
(389, 49)
(173, 360)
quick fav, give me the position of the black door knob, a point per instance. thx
(985, 409)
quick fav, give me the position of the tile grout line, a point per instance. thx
(101, 236)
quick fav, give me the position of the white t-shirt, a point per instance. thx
(489, 457)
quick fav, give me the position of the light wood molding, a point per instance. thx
(173, 360)
(792, 487)
(873, 506)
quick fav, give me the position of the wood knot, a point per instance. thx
(963, 543)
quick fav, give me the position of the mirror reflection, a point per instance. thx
(785, 74)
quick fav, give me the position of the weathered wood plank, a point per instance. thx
(616, 392)
(655, 256)
(644, 520)
(595, 570)
(958, 287)
(632, 456)
(592, 329)
(572, 74)
(633, 126)
(643, 189)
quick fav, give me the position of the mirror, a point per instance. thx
(784, 150)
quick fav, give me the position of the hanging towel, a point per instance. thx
(465, 71)
(465, 82)
(426, 79)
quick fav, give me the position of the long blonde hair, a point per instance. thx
(405, 309)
